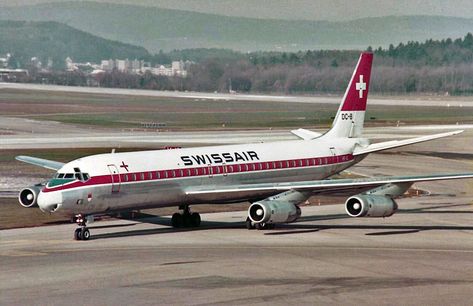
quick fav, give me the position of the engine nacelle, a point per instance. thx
(363, 205)
(273, 211)
(28, 197)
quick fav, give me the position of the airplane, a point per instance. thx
(274, 177)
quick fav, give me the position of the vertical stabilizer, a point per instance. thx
(351, 114)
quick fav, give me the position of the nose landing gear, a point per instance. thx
(81, 233)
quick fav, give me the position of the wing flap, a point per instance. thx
(400, 143)
(45, 163)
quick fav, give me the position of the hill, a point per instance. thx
(166, 29)
(58, 41)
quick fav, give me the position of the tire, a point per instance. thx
(77, 234)
(249, 224)
(195, 219)
(85, 233)
(176, 220)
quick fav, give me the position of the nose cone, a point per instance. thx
(49, 201)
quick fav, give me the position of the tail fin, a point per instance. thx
(351, 114)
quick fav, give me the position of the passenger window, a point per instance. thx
(134, 177)
(158, 176)
(125, 177)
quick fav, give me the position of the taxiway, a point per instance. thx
(420, 256)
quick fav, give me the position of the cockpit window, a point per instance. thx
(64, 178)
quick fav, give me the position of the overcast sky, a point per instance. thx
(303, 9)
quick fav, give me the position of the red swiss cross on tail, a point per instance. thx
(357, 91)
(351, 113)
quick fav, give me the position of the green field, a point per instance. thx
(128, 112)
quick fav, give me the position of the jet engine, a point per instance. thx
(28, 197)
(273, 211)
(363, 205)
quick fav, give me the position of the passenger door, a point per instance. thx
(115, 176)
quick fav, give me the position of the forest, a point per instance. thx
(442, 67)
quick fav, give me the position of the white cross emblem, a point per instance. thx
(361, 86)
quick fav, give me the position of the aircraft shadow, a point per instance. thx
(291, 228)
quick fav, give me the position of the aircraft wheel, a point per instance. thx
(249, 224)
(195, 219)
(85, 233)
(264, 226)
(177, 220)
(77, 234)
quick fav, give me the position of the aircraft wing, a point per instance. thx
(400, 143)
(328, 186)
(45, 163)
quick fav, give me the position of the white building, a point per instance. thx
(70, 66)
(4, 61)
(122, 65)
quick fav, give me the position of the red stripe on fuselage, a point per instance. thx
(158, 175)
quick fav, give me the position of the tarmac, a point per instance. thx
(420, 256)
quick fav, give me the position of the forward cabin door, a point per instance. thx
(115, 176)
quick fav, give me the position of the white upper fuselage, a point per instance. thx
(146, 179)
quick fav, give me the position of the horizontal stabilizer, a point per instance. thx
(306, 134)
(399, 143)
(45, 163)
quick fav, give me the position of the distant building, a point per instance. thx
(70, 65)
(107, 65)
(35, 62)
(122, 65)
(12, 75)
(4, 61)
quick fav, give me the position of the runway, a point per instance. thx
(35, 134)
(420, 256)
(424, 101)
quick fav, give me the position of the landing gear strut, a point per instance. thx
(81, 233)
(186, 218)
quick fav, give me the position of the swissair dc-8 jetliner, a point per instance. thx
(274, 177)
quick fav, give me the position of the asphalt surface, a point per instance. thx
(420, 256)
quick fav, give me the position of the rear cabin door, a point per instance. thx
(115, 176)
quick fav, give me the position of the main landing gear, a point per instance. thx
(81, 233)
(259, 226)
(186, 218)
